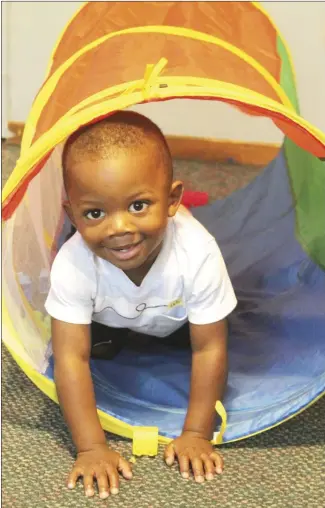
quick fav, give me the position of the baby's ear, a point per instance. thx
(175, 197)
(68, 211)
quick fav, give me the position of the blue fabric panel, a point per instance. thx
(277, 333)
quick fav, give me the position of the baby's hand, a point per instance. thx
(193, 450)
(103, 464)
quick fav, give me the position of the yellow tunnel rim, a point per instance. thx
(117, 426)
(109, 423)
(65, 126)
(49, 86)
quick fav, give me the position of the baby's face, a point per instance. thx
(120, 206)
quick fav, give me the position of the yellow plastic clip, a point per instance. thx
(145, 441)
(218, 436)
(151, 74)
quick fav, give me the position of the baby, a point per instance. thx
(139, 264)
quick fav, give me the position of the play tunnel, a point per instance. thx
(116, 55)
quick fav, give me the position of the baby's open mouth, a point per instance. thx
(126, 252)
(125, 248)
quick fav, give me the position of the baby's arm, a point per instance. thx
(208, 380)
(71, 349)
(210, 300)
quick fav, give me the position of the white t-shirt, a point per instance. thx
(187, 282)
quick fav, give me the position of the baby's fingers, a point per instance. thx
(209, 467)
(73, 477)
(89, 484)
(184, 466)
(169, 454)
(113, 479)
(125, 468)
(102, 483)
(198, 470)
(218, 462)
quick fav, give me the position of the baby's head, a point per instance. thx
(118, 176)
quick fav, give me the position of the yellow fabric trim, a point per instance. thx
(50, 85)
(64, 127)
(109, 423)
(197, 92)
(127, 88)
(150, 76)
(218, 436)
(123, 89)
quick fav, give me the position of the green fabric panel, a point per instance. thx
(287, 80)
(307, 175)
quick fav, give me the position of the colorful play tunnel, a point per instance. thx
(115, 55)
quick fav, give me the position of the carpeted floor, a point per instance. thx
(282, 468)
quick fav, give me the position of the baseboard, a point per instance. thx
(17, 129)
(251, 153)
(206, 149)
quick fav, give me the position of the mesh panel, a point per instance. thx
(27, 255)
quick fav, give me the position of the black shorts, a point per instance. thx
(107, 342)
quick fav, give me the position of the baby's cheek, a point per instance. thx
(155, 223)
(90, 235)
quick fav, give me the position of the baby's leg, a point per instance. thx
(107, 342)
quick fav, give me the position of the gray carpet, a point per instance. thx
(282, 468)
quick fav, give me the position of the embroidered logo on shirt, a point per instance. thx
(143, 307)
(175, 303)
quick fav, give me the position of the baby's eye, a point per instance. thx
(95, 214)
(138, 206)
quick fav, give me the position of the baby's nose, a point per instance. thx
(119, 224)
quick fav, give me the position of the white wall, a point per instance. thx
(302, 24)
(30, 32)
(5, 97)
(33, 27)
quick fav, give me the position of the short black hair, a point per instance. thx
(123, 130)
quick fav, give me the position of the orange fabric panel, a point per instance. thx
(298, 134)
(97, 102)
(113, 63)
(239, 23)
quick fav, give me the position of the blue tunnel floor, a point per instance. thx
(276, 333)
